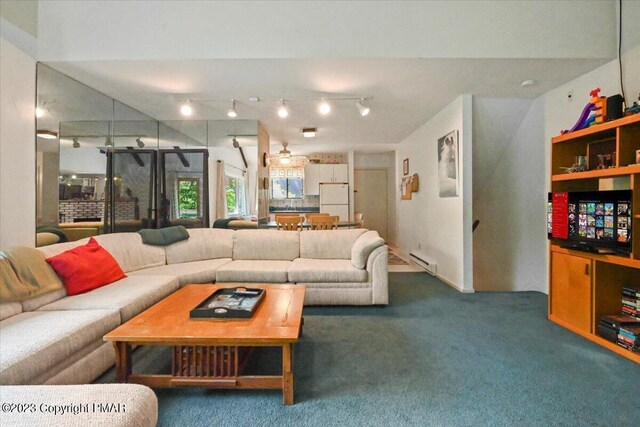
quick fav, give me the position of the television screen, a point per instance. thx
(599, 218)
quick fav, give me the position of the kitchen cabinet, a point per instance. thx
(315, 174)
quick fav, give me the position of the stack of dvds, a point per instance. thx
(631, 301)
(611, 325)
(629, 338)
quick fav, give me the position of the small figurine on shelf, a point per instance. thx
(634, 109)
(580, 165)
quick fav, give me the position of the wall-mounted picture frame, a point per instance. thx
(448, 164)
(405, 166)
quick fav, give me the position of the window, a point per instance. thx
(188, 198)
(287, 188)
(235, 195)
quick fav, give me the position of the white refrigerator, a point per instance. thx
(334, 199)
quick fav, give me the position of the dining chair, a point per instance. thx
(311, 215)
(324, 222)
(289, 222)
(359, 219)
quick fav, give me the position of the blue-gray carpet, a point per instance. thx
(432, 357)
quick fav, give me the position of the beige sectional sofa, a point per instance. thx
(57, 339)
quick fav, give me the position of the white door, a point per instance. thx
(371, 199)
(312, 175)
(340, 173)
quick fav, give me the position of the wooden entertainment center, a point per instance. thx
(584, 286)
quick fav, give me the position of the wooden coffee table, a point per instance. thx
(212, 353)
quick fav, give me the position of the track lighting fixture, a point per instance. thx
(282, 111)
(231, 112)
(140, 143)
(186, 109)
(363, 109)
(309, 132)
(76, 143)
(324, 107)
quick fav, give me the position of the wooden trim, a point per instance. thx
(598, 340)
(597, 128)
(269, 382)
(598, 173)
(612, 259)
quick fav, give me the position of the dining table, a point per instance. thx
(341, 224)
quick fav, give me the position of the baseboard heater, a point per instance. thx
(424, 262)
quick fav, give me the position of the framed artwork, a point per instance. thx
(448, 164)
(405, 166)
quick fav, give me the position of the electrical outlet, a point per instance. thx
(570, 96)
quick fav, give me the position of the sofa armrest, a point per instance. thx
(377, 267)
(363, 247)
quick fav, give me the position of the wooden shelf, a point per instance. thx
(598, 340)
(611, 259)
(599, 173)
(591, 130)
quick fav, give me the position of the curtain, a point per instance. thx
(221, 192)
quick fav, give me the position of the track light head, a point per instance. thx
(186, 109)
(324, 108)
(282, 111)
(76, 143)
(231, 112)
(140, 143)
(236, 144)
(363, 109)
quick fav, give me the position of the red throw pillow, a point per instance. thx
(86, 267)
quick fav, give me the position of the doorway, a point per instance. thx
(371, 199)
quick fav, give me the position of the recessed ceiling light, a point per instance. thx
(40, 112)
(526, 83)
(309, 132)
(231, 112)
(282, 111)
(186, 109)
(364, 110)
(47, 134)
(324, 107)
(254, 99)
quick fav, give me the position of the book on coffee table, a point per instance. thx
(229, 303)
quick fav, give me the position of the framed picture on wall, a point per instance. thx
(448, 164)
(405, 166)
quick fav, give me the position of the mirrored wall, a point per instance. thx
(104, 167)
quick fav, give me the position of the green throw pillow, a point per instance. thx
(164, 236)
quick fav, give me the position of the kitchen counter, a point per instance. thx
(292, 210)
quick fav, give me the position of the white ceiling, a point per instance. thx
(407, 92)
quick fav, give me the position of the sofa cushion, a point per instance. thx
(188, 272)
(130, 252)
(8, 309)
(328, 244)
(363, 246)
(44, 299)
(130, 296)
(305, 270)
(33, 342)
(126, 248)
(202, 244)
(86, 268)
(266, 245)
(139, 405)
(254, 271)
